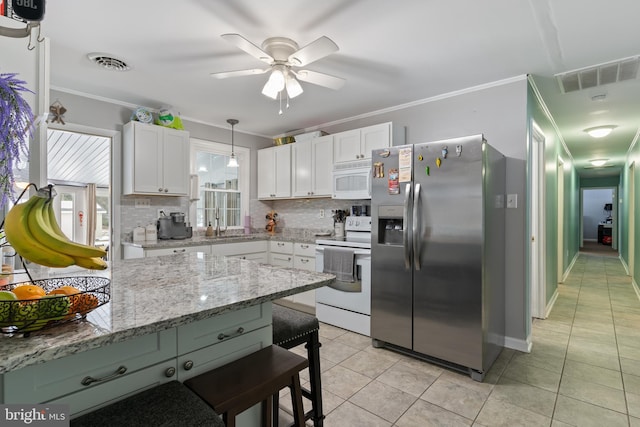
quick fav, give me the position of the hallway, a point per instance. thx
(584, 369)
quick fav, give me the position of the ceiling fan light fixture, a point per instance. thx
(599, 131)
(293, 86)
(275, 83)
(598, 162)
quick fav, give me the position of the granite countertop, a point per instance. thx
(157, 293)
(229, 238)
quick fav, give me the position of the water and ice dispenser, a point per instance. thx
(390, 225)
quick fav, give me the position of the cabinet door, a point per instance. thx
(346, 146)
(148, 159)
(281, 260)
(266, 173)
(302, 168)
(176, 162)
(283, 171)
(322, 155)
(374, 137)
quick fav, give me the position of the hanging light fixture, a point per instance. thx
(233, 162)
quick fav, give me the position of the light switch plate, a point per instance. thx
(512, 201)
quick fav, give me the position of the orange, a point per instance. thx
(84, 303)
(29, 292)
(64, 290)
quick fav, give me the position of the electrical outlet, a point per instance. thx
(321, 213)
(143, 203)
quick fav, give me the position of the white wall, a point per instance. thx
(593, 212)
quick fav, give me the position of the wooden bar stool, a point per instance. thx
(290, 329)
(168, 405)
(237, 386)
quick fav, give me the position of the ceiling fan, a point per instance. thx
(284, 56)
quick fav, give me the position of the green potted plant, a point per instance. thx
(16, 123)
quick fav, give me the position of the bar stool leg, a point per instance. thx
(313, 355)
(296, 401)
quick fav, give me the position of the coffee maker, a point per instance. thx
(173, 227)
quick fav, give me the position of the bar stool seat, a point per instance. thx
(167, 405)
(237, 386)
(290, 329)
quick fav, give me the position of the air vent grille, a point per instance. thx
(609, 73)
(108, 62)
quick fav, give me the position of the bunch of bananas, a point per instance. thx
(33, 231)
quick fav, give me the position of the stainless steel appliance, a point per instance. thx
(347, 303)
(438, 252)
(352, 180)
(173, 227)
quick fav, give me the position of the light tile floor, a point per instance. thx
(583, 370)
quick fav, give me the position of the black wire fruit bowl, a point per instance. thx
(67, 299)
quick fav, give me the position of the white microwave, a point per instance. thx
(352, 180)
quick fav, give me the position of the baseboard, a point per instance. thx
(550, 304)
(635, 287)
(518, 344)
(570, 267)
(624, 264)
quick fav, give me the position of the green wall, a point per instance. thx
(625, 209)
(554, 152)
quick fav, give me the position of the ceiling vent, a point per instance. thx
(603, 74)
(108, 62)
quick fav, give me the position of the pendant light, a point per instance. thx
(233, 163)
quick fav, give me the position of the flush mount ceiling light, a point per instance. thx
(283, 55)
(108, 61)
(598, 162)
(233, 163)
(599, 131)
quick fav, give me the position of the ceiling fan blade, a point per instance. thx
(247, 46)
(313, 51)
(320, 79)
(226, 74)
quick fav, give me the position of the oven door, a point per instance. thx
(355, 296)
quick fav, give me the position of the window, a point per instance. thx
(223, 191)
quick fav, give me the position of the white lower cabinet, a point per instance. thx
(281, 253)
(254, 251)
(297, 255)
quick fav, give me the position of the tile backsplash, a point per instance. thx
(295, 216)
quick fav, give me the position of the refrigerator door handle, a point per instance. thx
(416, 228)
(406, 236)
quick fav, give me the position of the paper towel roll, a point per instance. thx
(194, 189)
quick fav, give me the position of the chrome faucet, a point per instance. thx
(218, 230)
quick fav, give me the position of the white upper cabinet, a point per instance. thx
(274, 172)
(357, 144)
(312, 167)
(155, 160)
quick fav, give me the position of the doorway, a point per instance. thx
(560, 249)
(599, 221)
(538, 289)
(79, 165)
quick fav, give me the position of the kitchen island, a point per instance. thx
(169, 317)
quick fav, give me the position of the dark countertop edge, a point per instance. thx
(52, 353)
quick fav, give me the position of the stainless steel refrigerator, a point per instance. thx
(437, 251)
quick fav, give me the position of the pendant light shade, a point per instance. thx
(233, 162)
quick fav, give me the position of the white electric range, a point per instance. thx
(348, 304)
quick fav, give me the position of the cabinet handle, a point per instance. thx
(280, 244)
(188, 365)
(88, 380)
(304, 260)
(179, 251)
(166, 190)
(243, 257)
(239, 331)
(170, 372)
(304, 246)
(160, 190)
